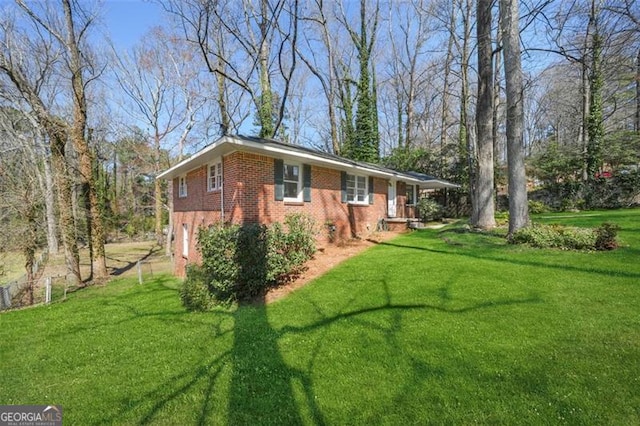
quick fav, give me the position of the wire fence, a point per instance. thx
(46, 289)
(22, 291)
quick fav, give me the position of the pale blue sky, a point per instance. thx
(128, 20)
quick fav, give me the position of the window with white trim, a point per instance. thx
(182, 186)
(292, 182)
(411, 195)
(185, 240)
(214, 175)
(357, 189)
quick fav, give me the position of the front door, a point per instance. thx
(391, 199)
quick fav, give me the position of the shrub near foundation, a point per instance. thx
(240, 262)
(194, 293)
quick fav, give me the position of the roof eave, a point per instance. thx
(196, 161)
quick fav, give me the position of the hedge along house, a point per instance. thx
(240, 179)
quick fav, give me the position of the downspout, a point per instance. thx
(222, 190)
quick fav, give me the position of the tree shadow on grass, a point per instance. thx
(130, 265)
(259, 385)
(490, 257)
(262, 386)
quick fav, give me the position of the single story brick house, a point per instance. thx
(240, 179)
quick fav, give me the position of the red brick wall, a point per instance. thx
(248, 188)
(401, 199)
(198, 198)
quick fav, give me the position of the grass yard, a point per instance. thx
(437, 326)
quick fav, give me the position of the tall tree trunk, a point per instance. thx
(585, 105)
(596, 82)
(484, 117)
(157, 190)
(114, 196)
(95, 226)
(367, 141)
(638, 93)
(467, 148)
(331, 96)
(347, 148)
(169, 240)
(497, 151)
(444, 123)
(49, 204)
(225, 121)
(518, 207)
(265, 107)
(29, 244)
(62, 181)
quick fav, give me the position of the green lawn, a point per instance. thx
(431, 327)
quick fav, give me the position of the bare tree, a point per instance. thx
(320, 59)
(20, 191)
(444, 126)
(81, 71)
(630, 10)
(484, 118)
(157, 78)
(31, 75)
(263, 34)
(466, 148)
(518, 205)
(408, 34)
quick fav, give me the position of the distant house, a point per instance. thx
(241, 179)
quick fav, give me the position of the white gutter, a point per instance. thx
(278, 151)
(200, 153)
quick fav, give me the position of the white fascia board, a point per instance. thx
(196, 161)
(437, 184)
(184, 166)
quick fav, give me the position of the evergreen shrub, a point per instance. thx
(194, 293)
(429, 210)
(240, 262)
(537, 207)
(606, 236)
(567, 238)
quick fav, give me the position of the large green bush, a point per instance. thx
(289, 250)
(606, 236)
(567, 238)
(537, 207)
(194, 293)
(218, 246)
(429, 209)
(242, 262)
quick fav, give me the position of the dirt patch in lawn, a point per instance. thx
(328, 257)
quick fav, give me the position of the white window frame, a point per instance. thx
(214, 180)
(415, 198)
(356, 187)
(182, 186)
(185, 240)
(298, 198)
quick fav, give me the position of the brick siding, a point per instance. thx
(249, 196)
